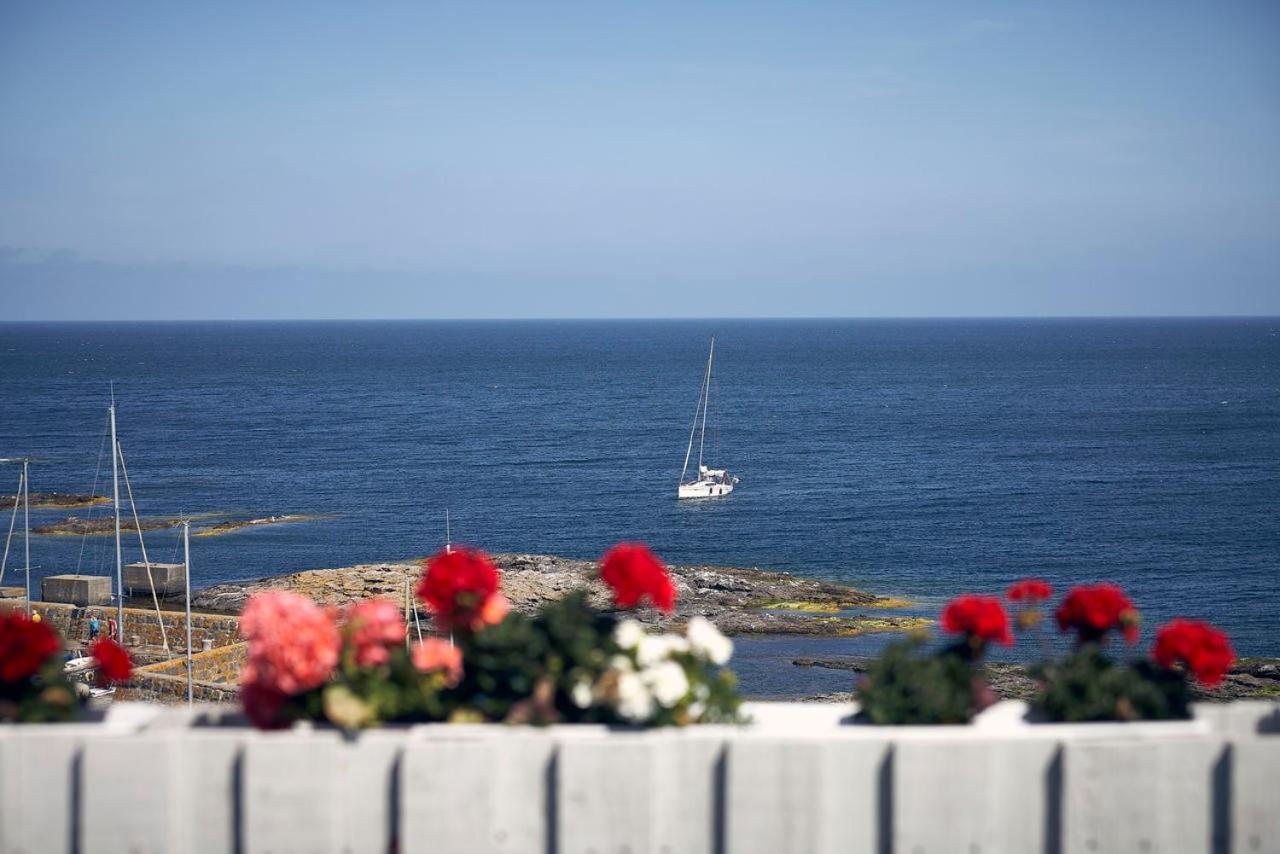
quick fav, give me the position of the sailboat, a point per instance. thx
(709, 482)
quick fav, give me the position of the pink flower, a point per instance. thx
(373, 627)
(495, 610)
(434, 655)
(293, 642)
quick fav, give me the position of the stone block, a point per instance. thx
(169, 578)
(81, 590)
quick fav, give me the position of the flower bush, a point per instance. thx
(945, 688)
(351, 668)
(34, 687)
(1090, 684)
(567, 662)
(903, 687)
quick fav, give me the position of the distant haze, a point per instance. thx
(329, 160)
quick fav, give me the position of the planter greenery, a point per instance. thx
(34, 685)
(1089, 684)
(568, 663)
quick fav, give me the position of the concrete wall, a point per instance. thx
(795, 781)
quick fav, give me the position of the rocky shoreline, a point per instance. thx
(1249, 678)
(106, 524)
(240, 524)
(75, 526)
(66, 500)
(740, 601)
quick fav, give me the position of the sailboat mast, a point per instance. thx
(26, 528)
(186, 566)
(115, 497)
(706, 402)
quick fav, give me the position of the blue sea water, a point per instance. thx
(914, 457)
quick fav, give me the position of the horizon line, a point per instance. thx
(618, 319)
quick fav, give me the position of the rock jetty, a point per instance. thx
(740, 601)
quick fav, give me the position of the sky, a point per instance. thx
(336, 160)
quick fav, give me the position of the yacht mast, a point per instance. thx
(186, 569)
(115, 493)
(13, 520)
(706, 402)
(26, 528)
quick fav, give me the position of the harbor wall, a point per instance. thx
(72, 623)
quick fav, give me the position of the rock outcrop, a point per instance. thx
(740, 601)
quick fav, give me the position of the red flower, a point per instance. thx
(461, 589)
(114, 664)
(263, 704)
(374, 627)
(635, 573)
(1030, 590)
(1204, 650)
(1093, 611)
(982, 618)
(25, 646)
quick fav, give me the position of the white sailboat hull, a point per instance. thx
(704, 489)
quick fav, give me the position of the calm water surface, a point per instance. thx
(922, 458)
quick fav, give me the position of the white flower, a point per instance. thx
(707, 641)
(622, 664)
(668, 683)
(628, 634)
(635, 703)
(655, 649)
(581, 694)
(696, 710)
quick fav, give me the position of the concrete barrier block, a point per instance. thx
(481, 792)
(805, 796)
(209, 791)
(987, 795)
(289, 792)
(366, 771)
(646, 792)
(38, 785)
(128, 799)
(1255, 795)
(1155, 794)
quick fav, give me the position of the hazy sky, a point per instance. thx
(646, 159)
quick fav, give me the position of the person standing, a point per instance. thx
(111, 627)
(94, 626)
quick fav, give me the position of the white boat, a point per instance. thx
(709, 483)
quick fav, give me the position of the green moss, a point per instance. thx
(852, 627)
(889, 602)
(807, 607)
(830, 607)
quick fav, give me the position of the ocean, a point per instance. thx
(918, 458)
